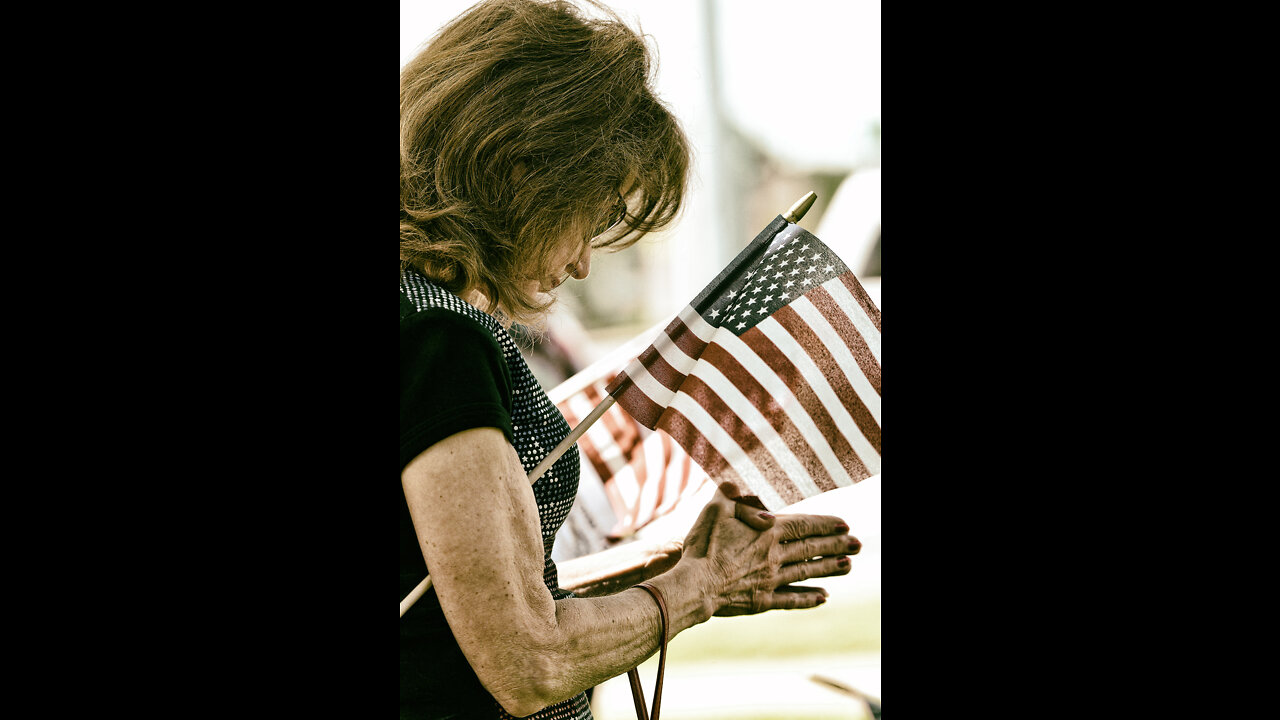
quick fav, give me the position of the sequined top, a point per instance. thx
(436, 329)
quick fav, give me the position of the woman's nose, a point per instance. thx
(582, 267)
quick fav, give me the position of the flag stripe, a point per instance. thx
(674, 355)
(860, 295)
(831, 347)
(844, 420)
(660, 369)
(840, 320)
(760, 407)
(711, 440)
(638, 391)
(684, 332)
(788, 383)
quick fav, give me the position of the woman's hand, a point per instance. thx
(753, 558)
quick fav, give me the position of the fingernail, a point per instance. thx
(854, 546)
(842, 528)
(821, 599)
(767, 516)
(843, 562)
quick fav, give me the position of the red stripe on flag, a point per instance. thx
(660, 370)
(844, 327)
(763, 400)
(685, 339)
(698, 447)
(635, 401)
(781, 365)
(860, 294)
(813, 345)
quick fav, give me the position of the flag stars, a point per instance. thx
(773, 286)
(766, 298)
(741, 325)
(790, 283)
(715, 313)
(828, 268)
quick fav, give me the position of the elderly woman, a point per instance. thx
(529, 137)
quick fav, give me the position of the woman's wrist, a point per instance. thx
(687, 588)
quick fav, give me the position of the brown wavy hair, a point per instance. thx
(519, 123)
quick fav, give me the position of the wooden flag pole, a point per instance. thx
(793, 215)
(538, 471)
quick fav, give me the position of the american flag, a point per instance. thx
(770, 378)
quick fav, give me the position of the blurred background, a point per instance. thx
(777, 98)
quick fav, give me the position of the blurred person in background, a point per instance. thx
(529, 137)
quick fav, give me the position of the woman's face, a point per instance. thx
(573, 258)
(570, 261)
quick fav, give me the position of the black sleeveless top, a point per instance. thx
(459, 369)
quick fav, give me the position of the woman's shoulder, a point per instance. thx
(420, 298)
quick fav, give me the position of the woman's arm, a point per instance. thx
(477, 523)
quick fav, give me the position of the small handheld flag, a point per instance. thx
(770, 377)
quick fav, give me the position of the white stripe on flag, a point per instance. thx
(853, 308)
(730, 450)
(769, 439)
(774, 330)
(799, 417)
(831, 340)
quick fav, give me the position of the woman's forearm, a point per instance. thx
(596, 639)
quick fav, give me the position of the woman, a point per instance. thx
(529, 137)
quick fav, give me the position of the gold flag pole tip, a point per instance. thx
(801, 207)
